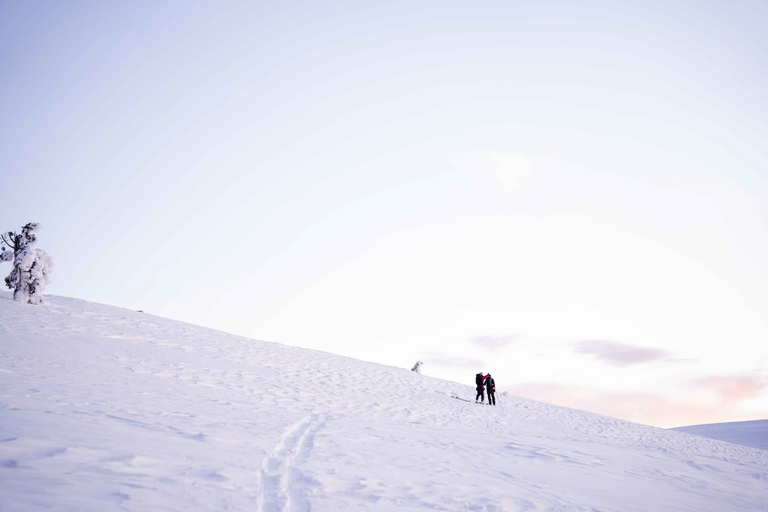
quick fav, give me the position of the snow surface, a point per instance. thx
(105, 409)
(748, 433)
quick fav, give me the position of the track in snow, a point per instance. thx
(283, 485)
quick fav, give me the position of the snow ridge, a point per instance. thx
(747, 433)
(106, 409)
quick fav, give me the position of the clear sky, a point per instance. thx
(572, 197)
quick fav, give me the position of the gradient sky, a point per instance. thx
(572, 197)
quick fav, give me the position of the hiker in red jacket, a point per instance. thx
(480, 381)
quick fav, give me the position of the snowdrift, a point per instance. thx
(105, 409)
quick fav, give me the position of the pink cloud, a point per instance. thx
(653, 409)
(733, 388)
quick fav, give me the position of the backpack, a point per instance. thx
(479, 379)
(491, 384)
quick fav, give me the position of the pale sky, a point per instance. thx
(571, 197)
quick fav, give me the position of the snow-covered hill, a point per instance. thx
(105, 409)
(746, 433)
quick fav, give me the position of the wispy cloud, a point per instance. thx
(621, 354)
(494, 342)
(447, 361)
(510, 169)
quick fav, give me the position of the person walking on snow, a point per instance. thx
(490, 386)
(480, 381)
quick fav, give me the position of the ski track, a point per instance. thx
(283, 485)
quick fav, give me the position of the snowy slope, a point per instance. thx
(746, 433)
(105, 409)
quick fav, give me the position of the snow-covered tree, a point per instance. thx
(31, 267)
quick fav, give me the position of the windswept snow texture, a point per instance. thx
(746, 433)
(108, 409)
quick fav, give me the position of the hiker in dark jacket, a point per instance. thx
(490, 386)
(480, 381)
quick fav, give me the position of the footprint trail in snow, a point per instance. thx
(283, 484)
